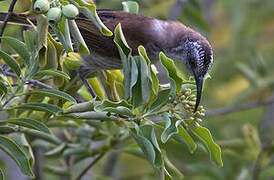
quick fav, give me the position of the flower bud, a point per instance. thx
(54, 15)
(41, 6)
(70, 11)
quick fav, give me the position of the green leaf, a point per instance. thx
(53, 73)
(40, 107)
(89, 10)
(163, 97)
(171, 171)
(11, 62)
(2, 176)
(145, 145)
(53, 93)
(205, 137)
(121, 107)
(146, 139)
(171, 126)
(171, 70)
(29, 40)
(17, 155)
(91, 115)
(3, 88)
(184, 137)
(22, 142)
(81, 44)
(19, 48)
(125, 54)
(57, 151)
(152, 76)
(130, 6)
(30, 123)
(42, 30)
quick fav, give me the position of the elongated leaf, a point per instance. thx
(30, 123)
(29, 40)
(57, 151)
(152, 76)
(42, 30)
(53, 73)
(146, 139)
(82, 47)
(19, 48)
(131, 7)
(205, 137)
(21, 141)
(125, 54)
(40, 107)
(2, 176)
(145, 145)
(3, 88)
(52, 59)
(171, 171)
(184, 137)
(91, 115)
(11, 62)
(17, 155)
(121, 107)
(54, 93)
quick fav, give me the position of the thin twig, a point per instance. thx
(90, 166)
(242, 107)
(7, 17)
(34, 82)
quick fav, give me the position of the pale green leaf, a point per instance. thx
(11, 62)
(29, 123)
(56, 73)
(19, 47)
(53, 93)
(130, 6)
(17, 155)
(205, 137)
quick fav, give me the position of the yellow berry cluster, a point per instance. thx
(187, 101)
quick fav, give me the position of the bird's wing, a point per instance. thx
(135, 28)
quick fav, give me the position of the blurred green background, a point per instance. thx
(241, 33)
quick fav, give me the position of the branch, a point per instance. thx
(90, 166)
(34, 82)
(176, 10)
(6, 18)
(242, 107)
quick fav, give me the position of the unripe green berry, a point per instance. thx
(54, 15)
(70, 11)
(41, 6)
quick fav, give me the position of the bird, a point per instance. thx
(174, 39)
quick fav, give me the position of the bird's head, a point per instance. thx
(196, 53)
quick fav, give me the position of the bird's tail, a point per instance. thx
(17, 19)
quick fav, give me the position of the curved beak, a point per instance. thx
(199, 86)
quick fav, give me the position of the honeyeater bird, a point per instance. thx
(177, 41)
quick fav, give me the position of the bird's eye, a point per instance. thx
(192, 64)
